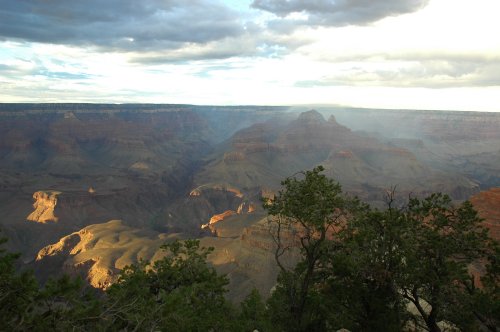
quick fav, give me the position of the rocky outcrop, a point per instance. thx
(246, 207)
(264, 154)
(218, 217)
(64, 256)
(243, 208)
(45, 204)
(312, 117)
(455, 142)
(258, 236)
(98, 252)
(66, 246)
(206, 189)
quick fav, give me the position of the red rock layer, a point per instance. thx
(487, 204)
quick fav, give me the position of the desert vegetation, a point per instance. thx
(423, 265)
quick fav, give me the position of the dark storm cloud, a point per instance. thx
(338, 12)
(124, 25)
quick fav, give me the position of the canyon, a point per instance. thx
(87, 189)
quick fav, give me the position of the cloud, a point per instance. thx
(6, 69)
(24, 73)
(254, 42)
(335, 13)
(121, 25)
(170, 31)
(220, 49)
(424, 72)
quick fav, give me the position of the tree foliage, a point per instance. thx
(17, 291)
(446, 240)
(307, 211)
(62, 304)
(177, 293)
(180, 292)
(362, 271)
(406, 267)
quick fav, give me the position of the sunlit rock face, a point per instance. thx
(244, 252)
(246, 207)
(218, 217)
(66, 256)
(45, 204)
(203, 207)
(243, 208)
(98, 252)
(71, 244)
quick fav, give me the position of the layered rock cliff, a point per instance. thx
(45, 204)
(98, 252)
(172, 168)
(460, 142)
(138, 160)
(260, 156)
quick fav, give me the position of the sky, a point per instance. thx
(413, 54)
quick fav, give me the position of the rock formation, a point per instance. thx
(45, 204)
(127, 162)
(261, 155)
(166, 170)
(98, 252)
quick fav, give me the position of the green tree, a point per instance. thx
(444, 241)
(177, 293)
(485, 300)
(304, 214)
(180, 292)
(254, 314)
(369, 270)
(17, 292)
(420, 254)
(62, 304)
(360, 279)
